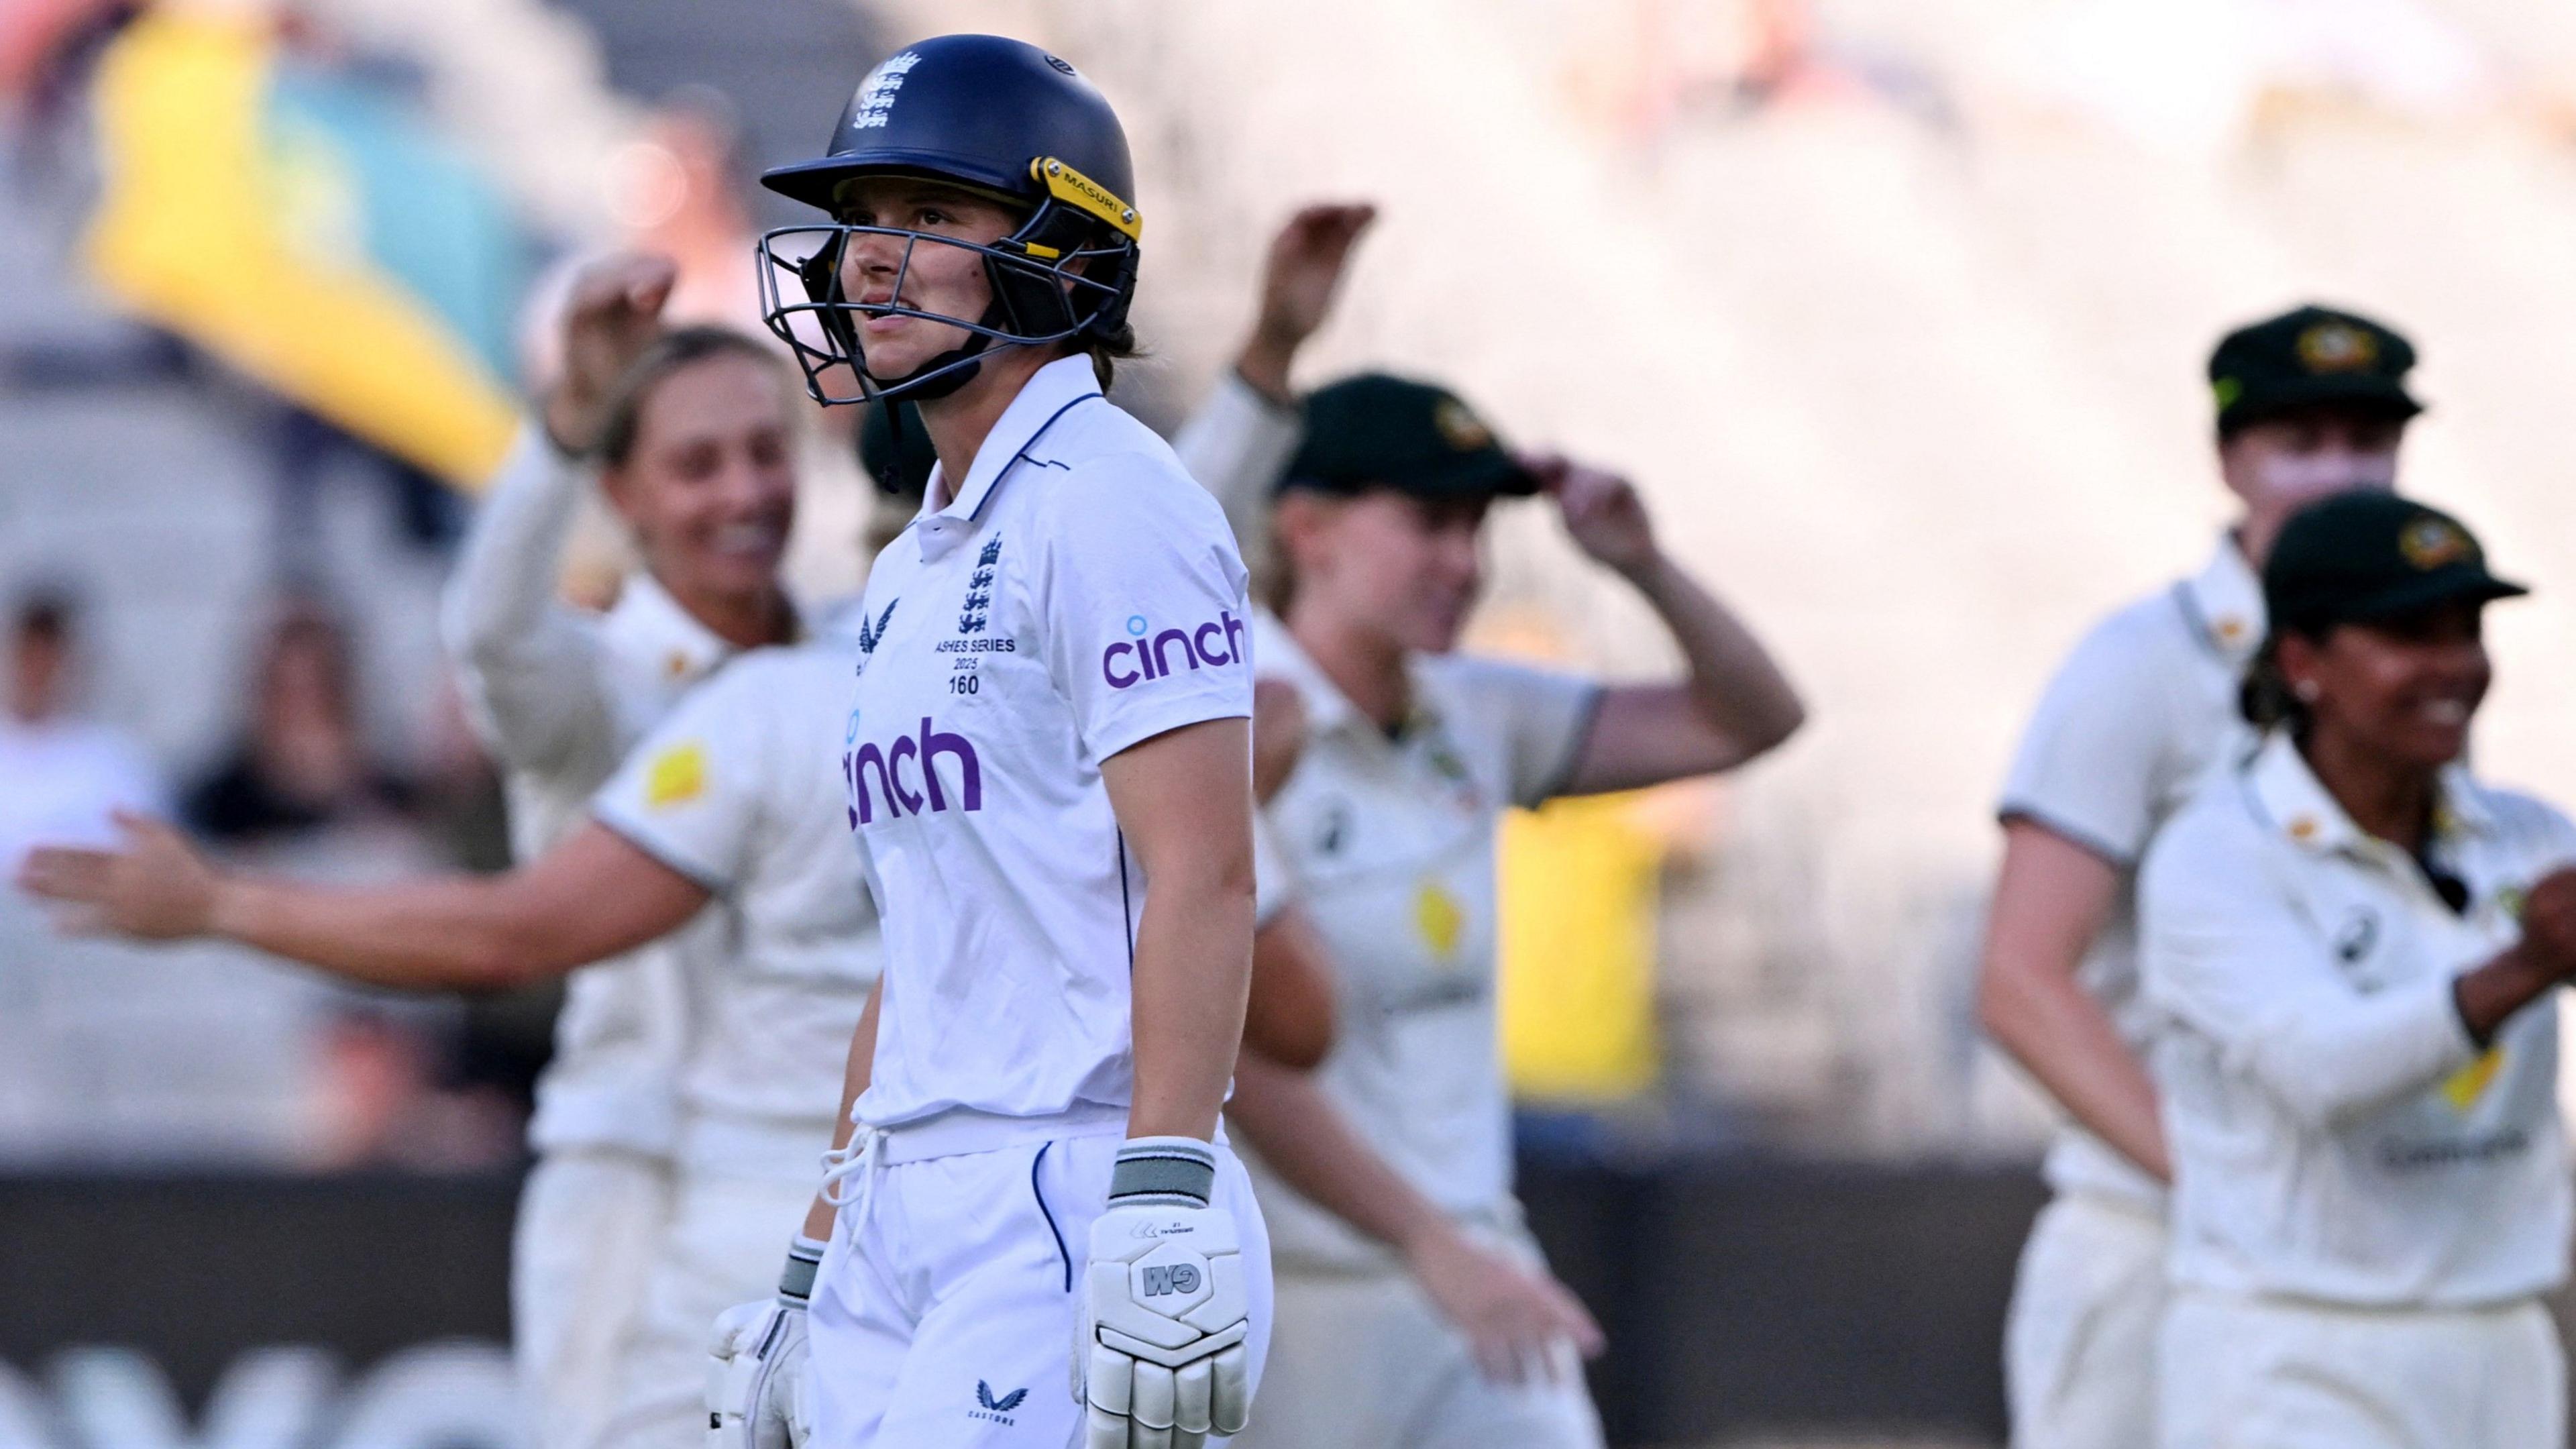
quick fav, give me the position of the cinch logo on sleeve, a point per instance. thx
(1146, 654)
(872, 773)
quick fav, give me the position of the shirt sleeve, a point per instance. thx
(1533, 720)
(1236, 445)
(1141, 591)
(530, 668)
(2090, 761)
(689, 794)
(2225, 953)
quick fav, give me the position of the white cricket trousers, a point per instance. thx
(2252, 1373)
(946, 1318)
(723, 1243)
(587, 1218)
(1362, 1360)
(2080, 1337)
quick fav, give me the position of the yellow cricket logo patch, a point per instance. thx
(1439, 917)
(2337, 347)
(677, 776)
(2429, 543)
(2471, 1082)
(1460, 428)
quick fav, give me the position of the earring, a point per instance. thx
(2306, 690)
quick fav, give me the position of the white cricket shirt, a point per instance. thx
(737, 790)
(1391, 841)
(2139, 712)
(1076, 596)
(559, 696)
(2336, 1134)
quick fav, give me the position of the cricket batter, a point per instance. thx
(2310, 403)
(1048, 764)
(2350, 949)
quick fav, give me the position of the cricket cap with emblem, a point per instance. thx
(1377, 431)
(2307, 357)
(2363, 556)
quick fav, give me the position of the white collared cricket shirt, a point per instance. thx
(1076, 596)
(2336, 1134)
(737, 790)
(559, 695)
(2142, 709)
(1392, 841)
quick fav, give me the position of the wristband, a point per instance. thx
(1173, 1171)
(796, 1280)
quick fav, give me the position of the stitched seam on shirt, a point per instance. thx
(1022, 456)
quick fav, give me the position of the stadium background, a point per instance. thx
(1893, 307)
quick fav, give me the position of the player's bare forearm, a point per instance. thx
(2051, 899)
(1289, 1017)
(854, 1084)
(592, 896)
(1184, 804)
(1304, 1137)
(1733, 704)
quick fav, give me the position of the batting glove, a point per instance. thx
(756, 1378)
(1162, 1361)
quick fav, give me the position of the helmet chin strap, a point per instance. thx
(938, 387)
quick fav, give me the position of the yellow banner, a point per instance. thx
(192, 235)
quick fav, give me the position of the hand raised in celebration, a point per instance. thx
(1602, 512)
(155, 888)
(1303, 274)
(612, 315)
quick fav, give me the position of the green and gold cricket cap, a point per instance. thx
(1376, 430)
(2364, 556)
(2310, 356)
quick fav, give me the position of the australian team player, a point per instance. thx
(1414, 1308)
(715, 844)
(1049, 770)
(2308, 404)
(2351, 949)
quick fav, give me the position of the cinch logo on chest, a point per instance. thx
(922, 753)
(1136, 659)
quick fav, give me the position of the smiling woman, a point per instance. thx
(2351, 949)
(697, 456)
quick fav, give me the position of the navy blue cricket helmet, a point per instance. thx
(999, 117)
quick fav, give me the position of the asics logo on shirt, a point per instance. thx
(1146, 654)
(873, 772)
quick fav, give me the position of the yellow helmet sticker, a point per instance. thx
(1439, 917)
(677, 776)
(1081, 192)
